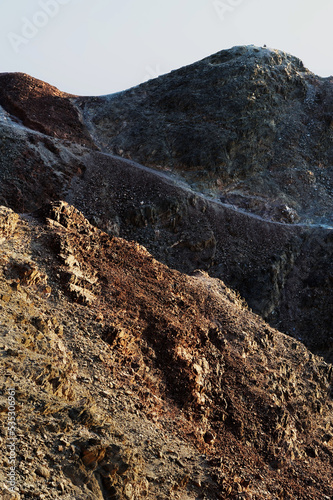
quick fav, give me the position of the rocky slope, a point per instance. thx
(284, 271)
(250, 124)
(135, 381)
(162, 384)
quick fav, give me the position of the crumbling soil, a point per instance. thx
(134, 380)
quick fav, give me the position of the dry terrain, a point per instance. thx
(166, 279)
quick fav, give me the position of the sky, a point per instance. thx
(95, 47)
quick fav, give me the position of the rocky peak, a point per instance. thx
(167, 325)
(249, 124)
(262, 56)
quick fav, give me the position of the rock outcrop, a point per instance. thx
(42, 107)
(195, 214)
(164, 386)
(133, 228)
(249, 124)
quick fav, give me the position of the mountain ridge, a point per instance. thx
(166, 283)
(223, 126)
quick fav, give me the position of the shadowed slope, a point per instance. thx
(249, 124)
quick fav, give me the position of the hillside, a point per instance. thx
(166, 283)
(135, 381)
(251, 125)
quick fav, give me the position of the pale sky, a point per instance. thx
(94, 47)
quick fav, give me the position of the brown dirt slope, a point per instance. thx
(135, 381)
(284, 271)
(42, 107)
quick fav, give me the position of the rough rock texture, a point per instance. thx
(132, 379)
(250, 124)
(34, 167)
(271, 265)
(162, 386)
(41, 107)
(8, 223)
(283, 270)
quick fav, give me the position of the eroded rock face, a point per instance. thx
(8, 221)
(34, 168)
(270, 265)
(164, 385)
(42, 107)
(250, 124)
(148, 382)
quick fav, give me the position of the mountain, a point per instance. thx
(166, 283)
(250, 124)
